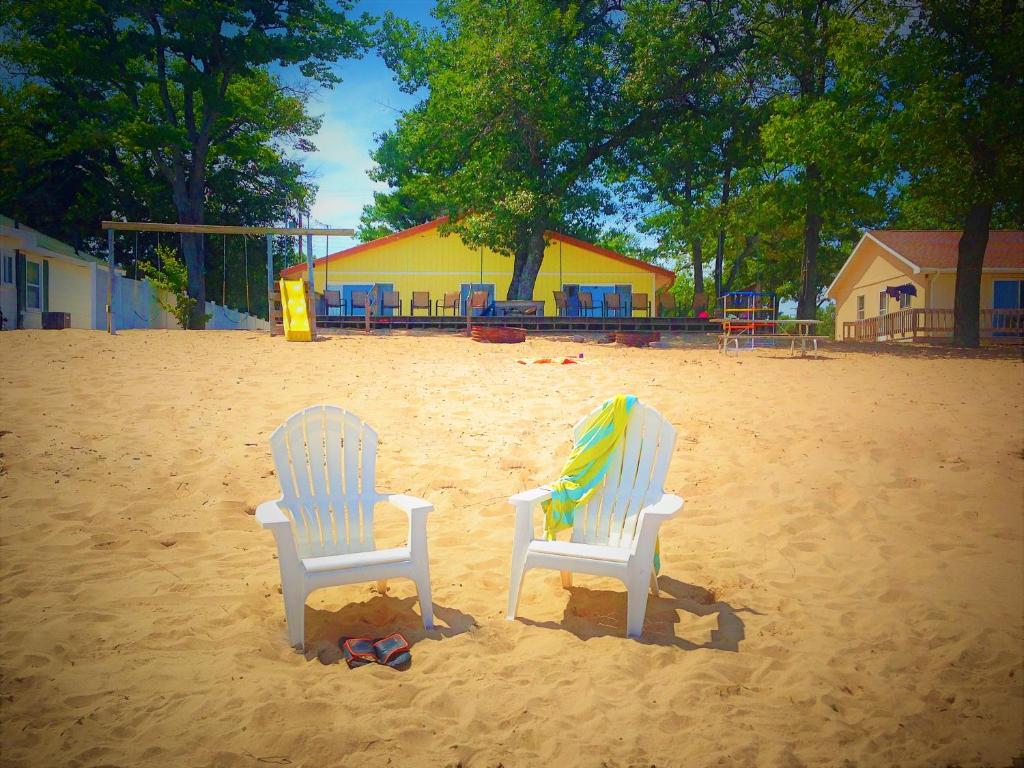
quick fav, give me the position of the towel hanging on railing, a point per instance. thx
(897, 290)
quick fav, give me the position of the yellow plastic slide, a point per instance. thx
(293, 311)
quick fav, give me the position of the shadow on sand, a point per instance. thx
(601, 613)
(375, 618)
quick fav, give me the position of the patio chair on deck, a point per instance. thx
(333, 300)
(358, 300)
(641, 303)
(420, 300)
(450, 301)
(479, 300)
(586, 302)
(390, 300)
(612, 304)
(561, 303)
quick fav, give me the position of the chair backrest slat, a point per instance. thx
(421, 299)
(635, 478)
(640, 301)
(326, 459)
(586, 300)
(613, 301)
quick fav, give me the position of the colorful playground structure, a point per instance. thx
(749, 318)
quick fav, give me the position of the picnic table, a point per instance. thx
(794, 330)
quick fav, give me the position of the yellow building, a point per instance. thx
(421, 259)
(892, 271)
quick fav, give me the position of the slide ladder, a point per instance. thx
(294, 314)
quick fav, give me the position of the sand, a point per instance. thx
(843, 587)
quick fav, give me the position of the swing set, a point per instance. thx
(273, 296)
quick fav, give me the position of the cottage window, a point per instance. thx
(8, 268)
(860, 307)
(904, 300)
(33, 285)
(883, 303)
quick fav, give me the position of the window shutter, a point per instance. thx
(19, 279)
(46, 285)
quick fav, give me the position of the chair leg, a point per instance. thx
(295, 613)
(515, 584)
(636, 605)
(566, 579)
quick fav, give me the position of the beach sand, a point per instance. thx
(843, 587)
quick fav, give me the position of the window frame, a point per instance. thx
(38, 285)
(860, 307)
(883, 303)
(7, 268)
(905, 300)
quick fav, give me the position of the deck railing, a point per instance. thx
(911, 324)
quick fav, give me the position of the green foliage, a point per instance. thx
(826, 316)
(177, 114)
(171, 281)
(958, 75)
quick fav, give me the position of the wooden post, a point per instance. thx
(110, 282)
(270, 282)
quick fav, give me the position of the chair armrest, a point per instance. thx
(411, 505)
(269, 515)
(651, 518)
(524, 504)
(531, 497)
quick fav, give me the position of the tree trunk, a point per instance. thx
(700, 301)
(528, 259)
(807, 303)
(193, 249)
(970, 259)
(720, 250)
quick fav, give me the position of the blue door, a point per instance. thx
(346, 294)
(1006, 294)
(467, 288)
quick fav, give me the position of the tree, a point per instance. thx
(958, 77)
(824, 144)
(182, 84)
(171, 281)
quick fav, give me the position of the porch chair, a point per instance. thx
(641, 303)
(358, 301)
(614, 533)
(325, 459)
(420, 300)
(478, 300)
(561, 303)
(390, 300)
(450, 301)
(333, 300)
(586, 302)
(612, 304)
(666, 304)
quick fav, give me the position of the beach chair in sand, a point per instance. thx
(325, 459)
(615, 529)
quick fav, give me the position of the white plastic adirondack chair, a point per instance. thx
(614, 533)
(323, 523)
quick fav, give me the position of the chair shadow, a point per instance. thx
(594, 613)
(375, 618)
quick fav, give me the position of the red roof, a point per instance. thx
(937, 249)
(296, 269)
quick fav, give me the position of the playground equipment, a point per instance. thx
(295, 312)
(274, 296)
(749, 318)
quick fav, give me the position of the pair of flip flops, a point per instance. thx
(391, 651)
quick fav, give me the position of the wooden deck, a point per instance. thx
(996, 325)
(529, 323)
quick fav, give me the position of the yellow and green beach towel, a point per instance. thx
(587, 466)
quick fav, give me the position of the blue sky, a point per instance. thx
(367, 102)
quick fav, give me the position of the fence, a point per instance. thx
(135, 306)
(909, 324)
